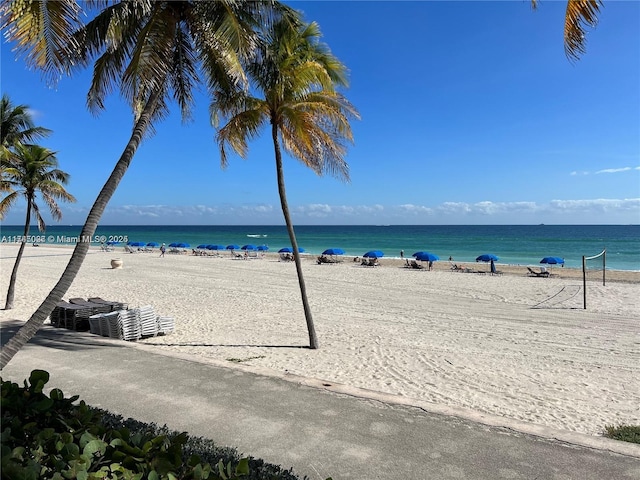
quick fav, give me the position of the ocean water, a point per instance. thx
(513, 244)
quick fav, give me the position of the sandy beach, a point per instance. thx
(509, 345)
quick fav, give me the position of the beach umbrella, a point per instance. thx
(263, 248)
(333, 251)
(552, 260)
(248, 247)
(487, 257)
(215, 247)
(202, 246)
(153, 244)
(426, 257)
(373, 254)
(113, 243)
(290, 250)
(173, 245)
(233, 246)
(183, 245)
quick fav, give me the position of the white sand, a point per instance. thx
(460, 340)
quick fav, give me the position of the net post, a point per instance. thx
(584, 281)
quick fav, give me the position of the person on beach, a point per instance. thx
(430, 265)
(162, 250)
(401, 253)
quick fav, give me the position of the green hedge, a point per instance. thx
(53, 437)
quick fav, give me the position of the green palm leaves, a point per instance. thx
(297, 78)
(34, 170)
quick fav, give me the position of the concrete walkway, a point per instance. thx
(317, 429)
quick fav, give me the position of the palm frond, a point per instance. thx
(17, 124)
(42, 32)
(36, 212)
(580, 14)
(7, 202)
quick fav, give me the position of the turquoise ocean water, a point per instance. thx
(513, 244)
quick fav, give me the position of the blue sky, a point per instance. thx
(471, 114)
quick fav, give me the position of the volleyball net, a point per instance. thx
(593, 268)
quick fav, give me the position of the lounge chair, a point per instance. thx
(370, 262)
(533, 273)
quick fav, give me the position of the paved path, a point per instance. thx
(316, 429)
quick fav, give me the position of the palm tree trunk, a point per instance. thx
(14, 273)
(313, 338)
(29, 329)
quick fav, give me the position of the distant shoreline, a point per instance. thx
(611, 275)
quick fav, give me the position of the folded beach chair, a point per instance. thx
(73, 317)
(165, 325)
(494, 271)
(96, 307)
(113, 305)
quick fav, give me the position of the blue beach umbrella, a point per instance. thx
(373, 254)
(183, 245)
(215, 247)
(552, 260)
(263, 248)
(233, 246)
(487, 257)
(173, 245)
(153, 244)
(113, 243)
(426, 257)
(333, 251)
(248, 247)
(202, 246)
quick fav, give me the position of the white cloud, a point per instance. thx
(447, 213)
(605, 170)
(614, 170)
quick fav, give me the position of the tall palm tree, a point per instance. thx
(296, 77)
(155, 52)
(32, 170)
(17, 126)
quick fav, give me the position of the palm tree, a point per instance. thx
(296, 77)
(154, 51)
(32, 170)
(17, 126)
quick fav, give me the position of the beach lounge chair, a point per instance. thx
(533, 273)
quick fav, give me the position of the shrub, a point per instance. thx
(53, 437)
(626, 433)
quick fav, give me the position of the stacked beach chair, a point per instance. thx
(110, 319)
